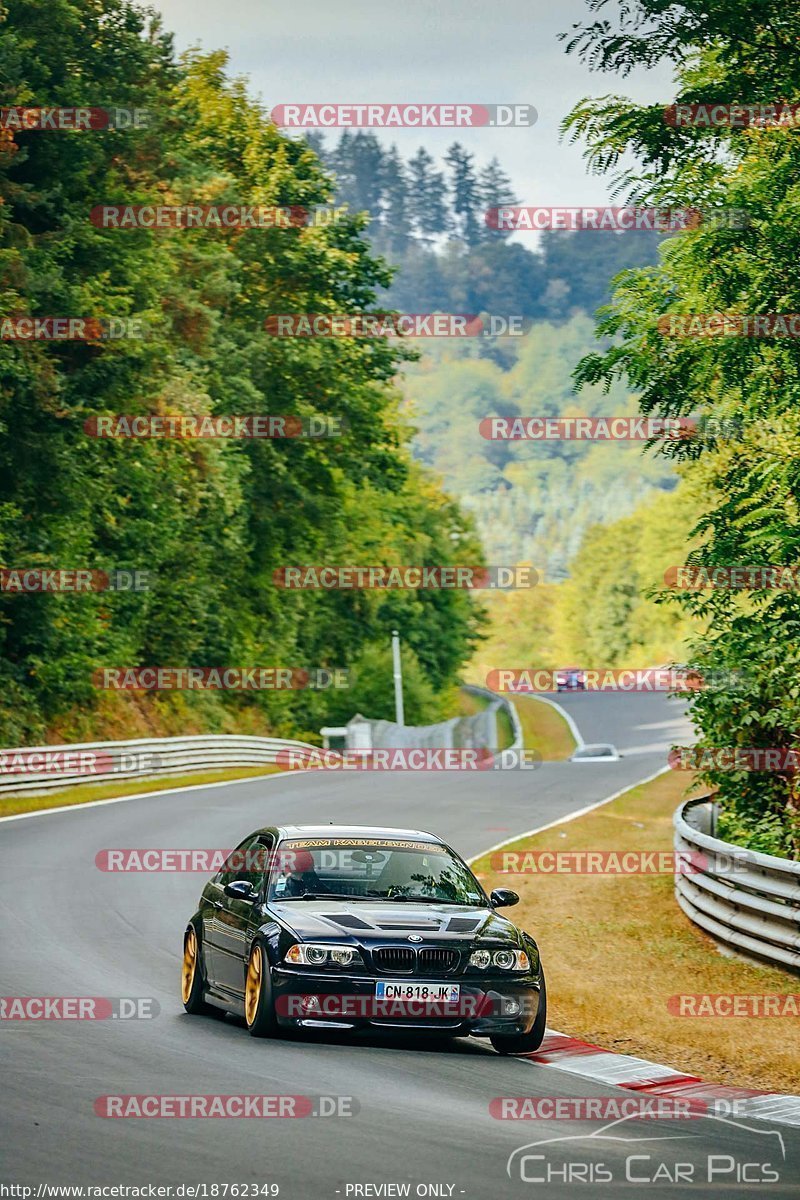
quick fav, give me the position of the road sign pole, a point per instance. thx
(398, 678)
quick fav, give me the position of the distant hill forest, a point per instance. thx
(531, 501)
(427, 219)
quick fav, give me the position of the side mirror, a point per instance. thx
(240, 889)
(503, 898)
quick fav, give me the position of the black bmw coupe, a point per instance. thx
(353, 927)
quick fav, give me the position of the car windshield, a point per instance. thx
(381, 870)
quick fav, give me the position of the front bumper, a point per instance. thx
(489, 1005)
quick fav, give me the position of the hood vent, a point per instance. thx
(349, 922)
(463, 924)
(429, 926)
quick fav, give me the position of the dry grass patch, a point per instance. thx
(615, 948)
(544, 729)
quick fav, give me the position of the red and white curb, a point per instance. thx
(624, 1070)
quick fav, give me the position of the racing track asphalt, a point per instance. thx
(69, 929)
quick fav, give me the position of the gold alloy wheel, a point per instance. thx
(189, 965)
(252, 987)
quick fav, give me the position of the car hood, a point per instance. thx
(387, 922)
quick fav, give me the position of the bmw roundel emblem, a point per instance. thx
(414, 937)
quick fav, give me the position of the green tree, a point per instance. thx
(358, 163)
(210, 520)
(395, 216)
(494, 189)
(427, 197)
(744, 54)
(465, 199)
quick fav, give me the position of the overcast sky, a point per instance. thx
(424, 51)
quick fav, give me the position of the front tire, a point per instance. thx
(192, 975)
(259, 1007)
(525, 1043)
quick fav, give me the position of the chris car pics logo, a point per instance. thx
(618, 1153)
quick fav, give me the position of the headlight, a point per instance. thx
(506, 960)
(308, 954)
(480, 958)
(343, 957)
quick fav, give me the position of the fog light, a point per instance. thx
(510, 1007)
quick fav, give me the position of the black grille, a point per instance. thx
(402, 960)
(438, 960)
(399, 960)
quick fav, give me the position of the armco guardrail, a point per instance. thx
(746, 900)
(478, 731)
(498, 702)
(96, 762)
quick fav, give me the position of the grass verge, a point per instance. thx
(81, 793)
(544, 729)
(615, 948)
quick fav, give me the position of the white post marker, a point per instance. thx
(398, 678)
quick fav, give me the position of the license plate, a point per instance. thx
(437, 993)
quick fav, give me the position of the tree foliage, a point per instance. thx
(729, 52)
(531, 501)
(210, 520)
